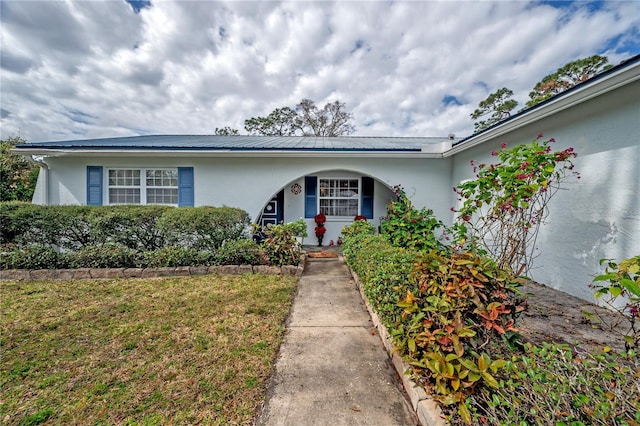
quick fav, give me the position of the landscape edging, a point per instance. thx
(179, 271)
(425, 407)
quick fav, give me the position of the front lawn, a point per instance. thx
(187, 350)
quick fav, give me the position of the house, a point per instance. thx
(286, 178)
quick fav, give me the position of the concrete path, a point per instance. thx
(332, 368)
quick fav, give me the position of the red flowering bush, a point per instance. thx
(320, 218)
(503, 208)
(359, 217)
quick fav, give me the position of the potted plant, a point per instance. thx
(320, 220)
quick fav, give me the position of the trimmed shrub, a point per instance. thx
(172, 256)
(109, 255)
(31, 257)
(133, 226)
(204, 228)
(238, 252)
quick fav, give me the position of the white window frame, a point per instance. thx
(357, 197)
(142, 187)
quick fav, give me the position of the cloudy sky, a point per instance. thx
(87, 69)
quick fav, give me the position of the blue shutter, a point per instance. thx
(310, 196)
(185, 187)
(367, 197)
(94, 185)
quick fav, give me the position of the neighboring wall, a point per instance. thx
(599, 216)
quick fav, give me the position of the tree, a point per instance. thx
(566, 77)
(306, 120)
(499, 104)
(18, 177)
(332, 120)
(280, 122)
(226, 131)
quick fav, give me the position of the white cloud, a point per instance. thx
(83, 69)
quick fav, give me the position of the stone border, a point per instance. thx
(427, 410)
(180, 271)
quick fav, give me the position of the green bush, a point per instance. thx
(446, 312)
(204, 228)
(109, 255)
(383, 269)
(172, 256)
(18, 219)
(133, 226)
(550, 385)
(30, 257)
(408, 227)
(280, 245)
(238, 252)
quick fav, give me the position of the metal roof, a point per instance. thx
(241, 143)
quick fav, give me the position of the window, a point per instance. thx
(339, 197)
(159, 186)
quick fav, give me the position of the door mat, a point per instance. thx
(322, 254)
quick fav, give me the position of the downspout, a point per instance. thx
(44, 170)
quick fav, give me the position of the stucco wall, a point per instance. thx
(249, 183)
(599, 216)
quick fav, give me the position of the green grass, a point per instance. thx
(194, 350)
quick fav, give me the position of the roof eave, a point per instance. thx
(84, 152)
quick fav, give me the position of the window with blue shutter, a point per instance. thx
(310, 196)
(367, 197)
(185, 187)
(94, 185)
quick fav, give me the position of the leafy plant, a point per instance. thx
(408, 227)
(621, 282)
(109, 255)
(459, 309)
(30, 257)
(298, 228)
(550, 385)
(204, 228)
(280, 245)
(172, 256)
(18, 177)
(503, 208)
(238, 252)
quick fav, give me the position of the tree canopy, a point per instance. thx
(280, 122)
(18, 177)
(225, 131)
(499, 104)
(306, 120)
(566, 77)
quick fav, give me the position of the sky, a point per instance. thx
(91, 69)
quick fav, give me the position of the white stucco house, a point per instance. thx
(286, 178)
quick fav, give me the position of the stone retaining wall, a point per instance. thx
(180, 271)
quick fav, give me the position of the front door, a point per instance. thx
(273, 212)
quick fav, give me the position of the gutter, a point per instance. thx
(44, 170)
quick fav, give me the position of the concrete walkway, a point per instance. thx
(332, 368)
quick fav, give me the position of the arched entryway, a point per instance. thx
(273, 211)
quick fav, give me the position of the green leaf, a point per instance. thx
(490, 380)
(631, 285)
(464, 413)
(412, 344)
